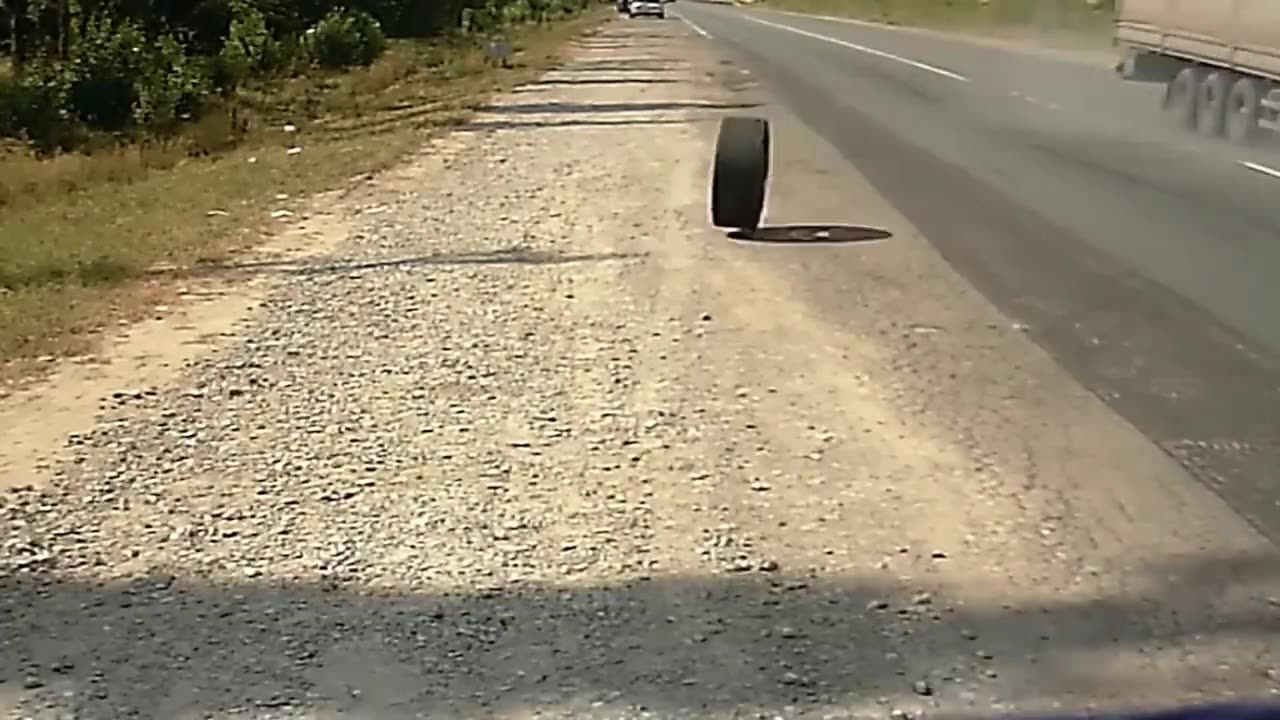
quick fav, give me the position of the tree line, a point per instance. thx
(121, 65)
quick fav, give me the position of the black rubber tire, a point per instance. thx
(1244, 108)
(1181, 96)
(741, 173)
(1211, 103)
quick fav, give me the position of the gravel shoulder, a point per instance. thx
(518, 436)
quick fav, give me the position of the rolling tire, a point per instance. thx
(1244, 109)
(1211, 103)
(1181, 96)
(740, 174)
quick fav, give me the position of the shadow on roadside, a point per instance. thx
(810, 235)
(491, 125)
(653, 65)
(731, 643)
(552, 108)
(572, 82)
(509, 256)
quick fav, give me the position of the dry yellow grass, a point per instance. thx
(78, 233)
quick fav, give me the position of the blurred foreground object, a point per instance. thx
(1238, 711)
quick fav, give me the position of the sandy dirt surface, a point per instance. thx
(531, 440)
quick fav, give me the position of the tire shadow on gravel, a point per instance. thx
(810, 235)
(725, 645)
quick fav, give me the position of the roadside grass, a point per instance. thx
(995, 17)
(78, 233)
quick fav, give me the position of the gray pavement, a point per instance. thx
(1142, 258)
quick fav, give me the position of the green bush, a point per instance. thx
(172, 87)
(344, 38)
(107, 62)
(120, 67)
(11, 103)
(285, 55)
(122, 79)
(517, 12)
(483, 19)
(39, 100)
(245, 50)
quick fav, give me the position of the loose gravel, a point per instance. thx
(497, 456)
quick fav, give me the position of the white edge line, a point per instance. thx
(845, 20)
(693, 25)
(940, 34)
(1261, 168)
(863, 49)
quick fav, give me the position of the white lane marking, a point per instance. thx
(1258, 168)
(1035, 100)
(862, 48)
(1021, 96)
(693, 25)
(845, 20)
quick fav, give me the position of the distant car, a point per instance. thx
(652, 8)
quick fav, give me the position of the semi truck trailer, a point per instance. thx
(1219, 61)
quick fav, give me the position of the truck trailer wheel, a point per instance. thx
(1211, 103)
(1181, 96)
(1244, 107)
(740, 173)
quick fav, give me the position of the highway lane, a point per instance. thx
(1142, 258)
(1078, 83)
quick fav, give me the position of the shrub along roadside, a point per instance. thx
(117, 78)
(84, 67)
(77, 261)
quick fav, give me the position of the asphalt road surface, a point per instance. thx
(1142, 258)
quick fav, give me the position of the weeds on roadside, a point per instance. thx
(80, 230)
